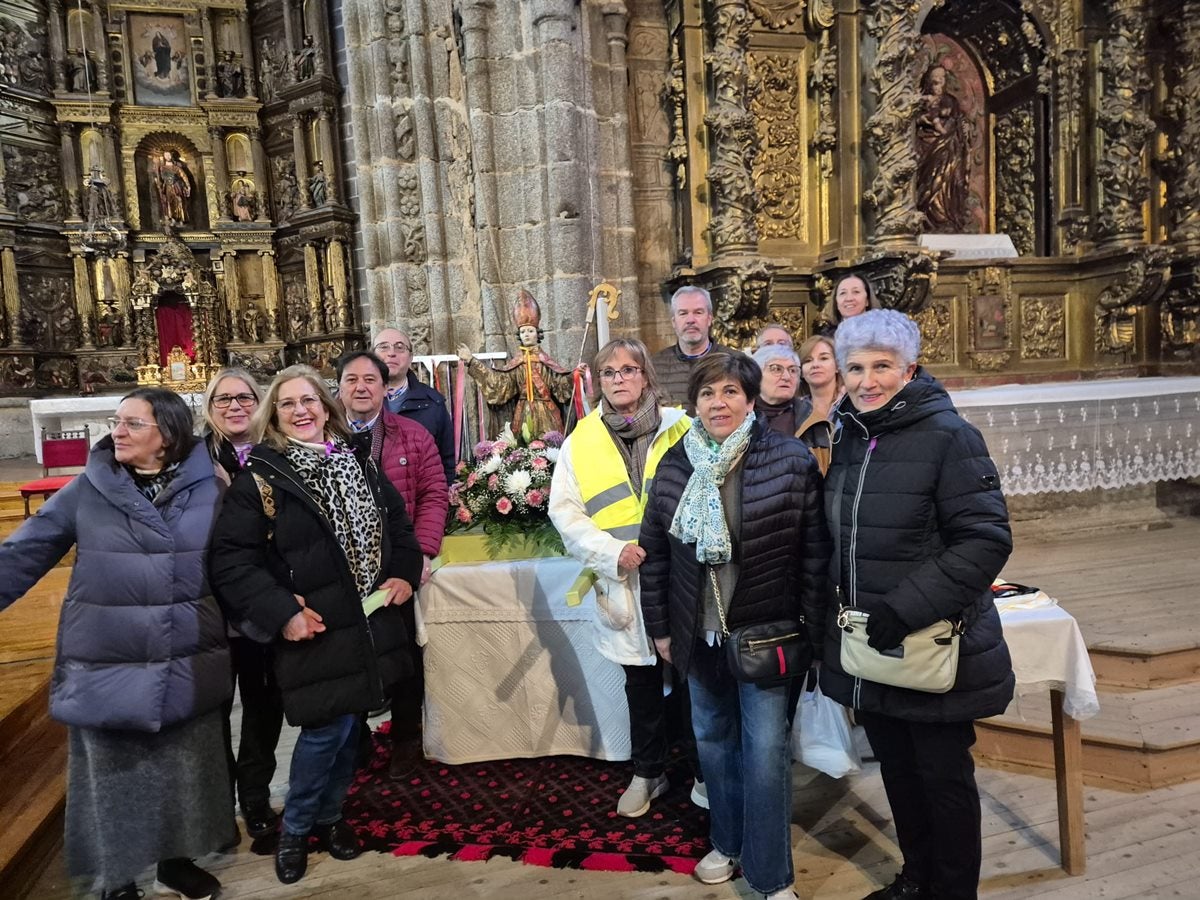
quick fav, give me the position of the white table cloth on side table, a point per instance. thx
(510, 669)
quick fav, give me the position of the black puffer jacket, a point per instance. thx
(922, 526)
(784, 546)
(257, 563)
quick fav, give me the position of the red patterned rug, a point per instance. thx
(558, 811)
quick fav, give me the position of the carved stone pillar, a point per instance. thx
(312, 285)
(216, 137)
(1184, 186)
(889, 129)
(210, 61)
(70, 164)
(262, 176)
(328, 149)
(1125, 124)
(270, 275)
(85, 306)
(12, 295)
(733, 142)
(247, 43)
(300, 151)
(58, 48)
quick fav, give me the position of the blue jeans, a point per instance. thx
(741, 734)
(322, 769)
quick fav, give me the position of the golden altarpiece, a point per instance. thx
(170, 203)
(815, 138)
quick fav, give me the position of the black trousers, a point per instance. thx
(408, 696)
(654, 720)
(262, 719)
(929, 777)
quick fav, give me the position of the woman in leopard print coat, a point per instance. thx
(307, 532)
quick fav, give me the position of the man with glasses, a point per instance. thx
(408, 397)
(691, 318)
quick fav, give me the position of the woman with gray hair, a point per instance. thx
(920, 530)
(780, 381)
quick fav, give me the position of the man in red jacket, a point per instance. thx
(408, 457)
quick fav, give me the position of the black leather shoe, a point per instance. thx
(260, 820)
(291, 857)
(900, 889)
(339, 839)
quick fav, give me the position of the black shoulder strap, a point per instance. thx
(836, 567)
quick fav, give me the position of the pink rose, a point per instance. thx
(536, 445)
(493, 482)
(540, 462)
(463, 515)
(504, 506)
(535, 497)
(472, 478)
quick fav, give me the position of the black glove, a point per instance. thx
(885, 629)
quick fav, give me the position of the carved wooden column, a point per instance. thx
(99, 40)
(112, 166)
(3, 191)
(233, 285)
(12, 295)
(312, 285)
(889, 129)
(335, 277)
(328, 151)
(270, 275)
(216, 136)
(1125, 124)
(247, 42)
(210, 61)
(58, 48)
(1184, 187)
(733, 142)
(262, 176)
(300, 150)
(70, 164)
(289, 29)
(85, 306)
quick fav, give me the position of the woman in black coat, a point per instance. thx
(734, 535)
(920, 531)
(307, 533)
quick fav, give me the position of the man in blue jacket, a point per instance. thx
(408, 397)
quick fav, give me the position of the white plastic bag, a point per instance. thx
(821, 733)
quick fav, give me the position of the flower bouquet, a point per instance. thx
(505, 490)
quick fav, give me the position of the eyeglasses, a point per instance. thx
(777, 370)
(626, 372)
(223, 401)
(288, 407)
(131, 425)
(388, 348)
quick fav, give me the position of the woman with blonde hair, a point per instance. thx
(230, 402)
(600, 487)
(821, 390)
(309, 533)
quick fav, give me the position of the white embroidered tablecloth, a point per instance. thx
(1048, 652)
(511, 670)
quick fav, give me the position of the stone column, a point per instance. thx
(85, 305)
(210, 62)
(262, 174)
(216, 136)
(12, 295)
(70, 165)
(328, 152)
(247, 42)
(1125, 123)
(270, 275)
(312, 285)
(300, 149)
(58, 48)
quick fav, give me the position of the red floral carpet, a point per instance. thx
(558, 811)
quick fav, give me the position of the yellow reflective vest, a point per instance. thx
(608, 496)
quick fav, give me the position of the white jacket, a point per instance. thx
(619, 631)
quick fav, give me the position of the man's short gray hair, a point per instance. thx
(771, 352)
(692, 289)
(878, 329)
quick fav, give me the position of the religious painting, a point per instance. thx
(991, 327)
(159, 56)
(952, 161)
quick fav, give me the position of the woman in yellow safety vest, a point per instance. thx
(601, 482)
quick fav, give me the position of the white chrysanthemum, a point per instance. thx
(491, 464)
(551, 454)
(517, 482)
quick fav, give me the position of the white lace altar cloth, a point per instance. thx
(1084, 435)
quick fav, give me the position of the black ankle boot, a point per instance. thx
(291, 857)
(339, 839)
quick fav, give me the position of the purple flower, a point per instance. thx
(553, 438)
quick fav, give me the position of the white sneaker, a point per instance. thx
(715, 868)
(700, 794)
(636, 799)
(785, 894)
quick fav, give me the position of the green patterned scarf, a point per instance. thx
(700, 517)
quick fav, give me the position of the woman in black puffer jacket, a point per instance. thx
(747, 501)
(920, 530)
(307, 532)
